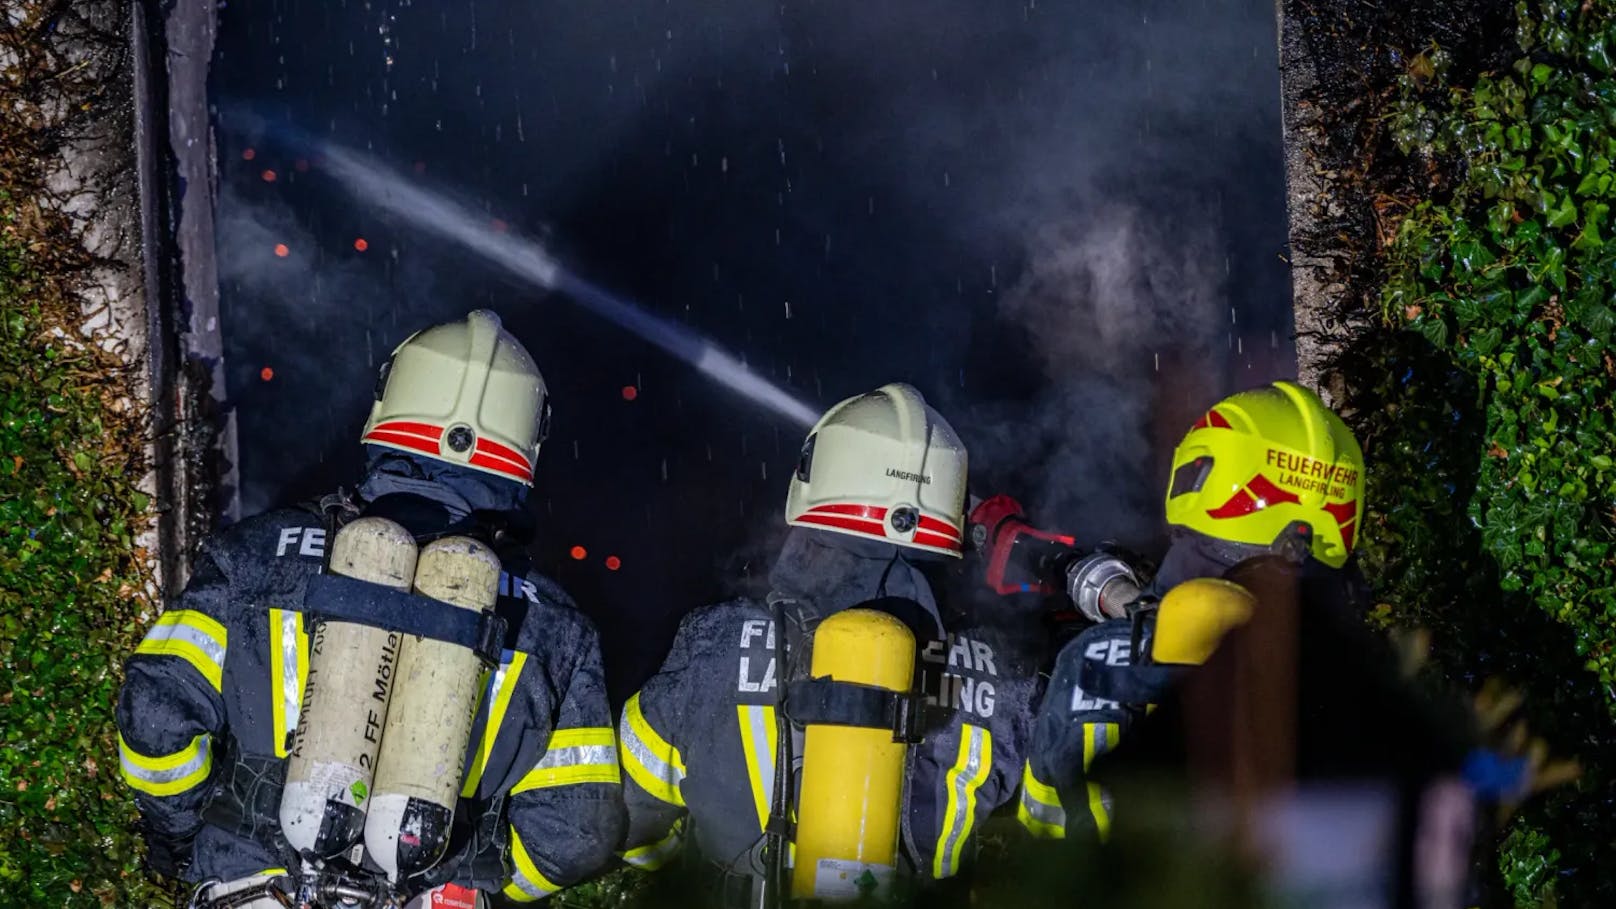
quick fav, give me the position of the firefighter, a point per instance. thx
(1268, 471)
(214, 692)
(1280, 710)
(876, 508)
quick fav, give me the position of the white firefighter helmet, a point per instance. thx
(886, 466)
(465, 392)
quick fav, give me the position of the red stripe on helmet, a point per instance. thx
(490, 447)
(1349, 530)
(511, 463)
(429, 430)
(500, 465)
(1211, 420)
(873, 528)
(873, 512)
(1345, 514)
(403, 440)
(923, 538)
(1239, 505)
(1258, 493)
(1268, 494)
(944, 528)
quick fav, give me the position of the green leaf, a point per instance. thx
(1563, 212)
(1485, 342)
(1597, 53)
(1594, 184)
(1530, 299)
(1593, 216)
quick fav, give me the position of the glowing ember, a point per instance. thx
(613, 563)
(282, 250)
(301, 165)
(269, 176)
(578, 553)
(248, 154)
(630, 392)
(360, 244)
(266, 373)
(499, 226)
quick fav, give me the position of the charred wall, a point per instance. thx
(1346, 183)
(194, 432)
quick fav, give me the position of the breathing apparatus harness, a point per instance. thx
(246, 803)
(807, 701)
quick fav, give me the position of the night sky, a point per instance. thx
(1063, 222)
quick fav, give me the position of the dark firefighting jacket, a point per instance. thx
(212, 696)
(698, 741)
(1099, 689)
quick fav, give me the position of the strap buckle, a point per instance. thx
(490, 638)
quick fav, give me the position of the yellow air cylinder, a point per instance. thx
(1194, 617)
(852, 777)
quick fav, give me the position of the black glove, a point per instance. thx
(476, 854)
(167, 854)
(497, 899)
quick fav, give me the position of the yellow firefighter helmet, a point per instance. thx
(1267, 466)
(465, 392)
(886, 466)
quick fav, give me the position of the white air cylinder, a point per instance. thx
(421, 764)
(330, 770)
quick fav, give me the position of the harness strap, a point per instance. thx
(825, 701)
(334, 597)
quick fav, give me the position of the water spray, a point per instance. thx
(373, 183)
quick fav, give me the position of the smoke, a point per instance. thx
(1101, 298)
(1100, 294)
(1138, 205)
(1061, 221)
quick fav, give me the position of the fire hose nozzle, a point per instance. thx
(1101, 585)
(1019, 558)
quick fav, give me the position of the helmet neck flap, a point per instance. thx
(825, 573)
(431, 497)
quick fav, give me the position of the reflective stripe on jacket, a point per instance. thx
(1073, 728)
